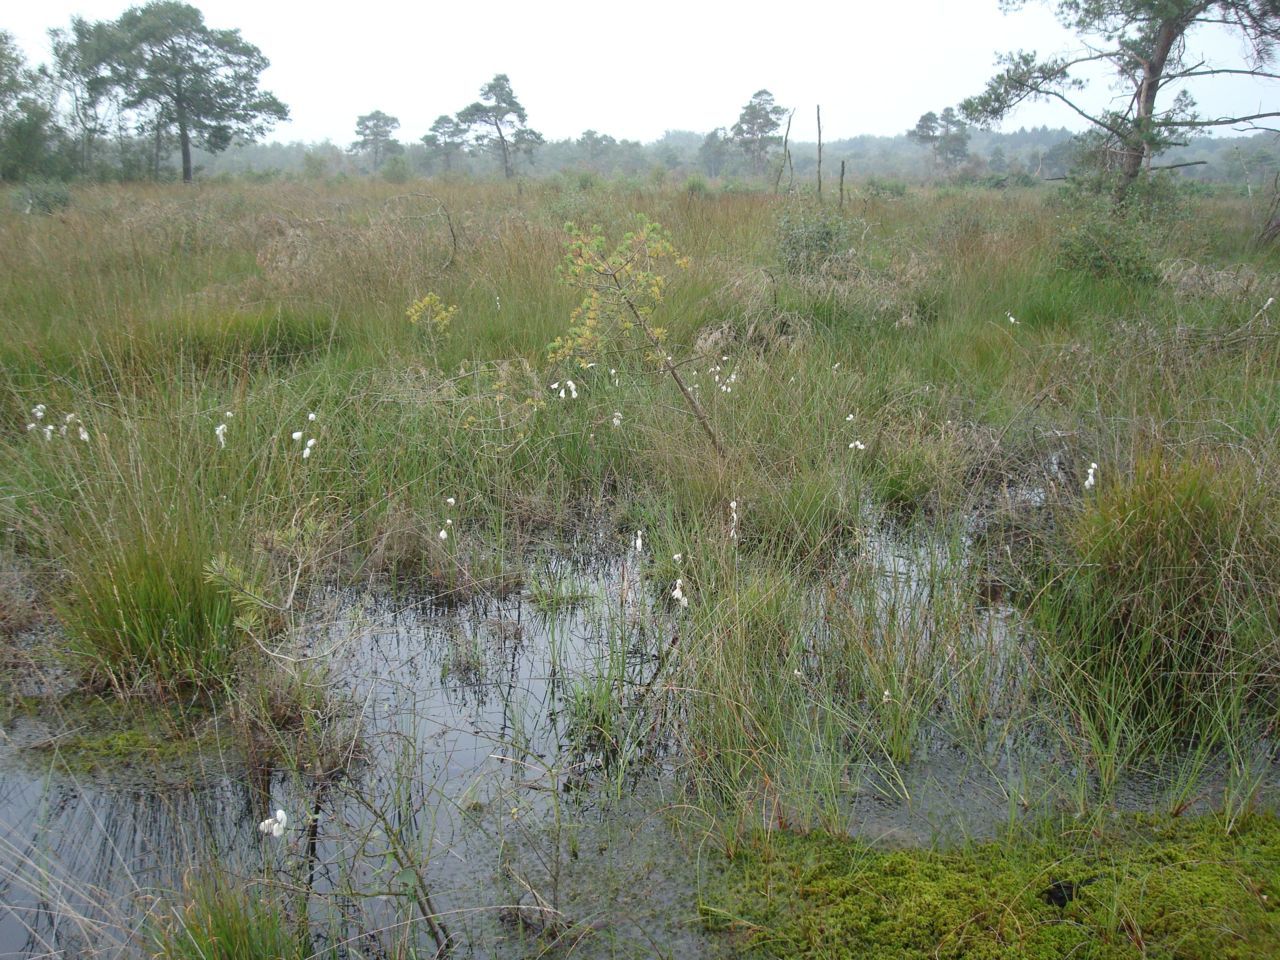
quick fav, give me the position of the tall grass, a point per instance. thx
(222, 922)
(901, 368)
(1161, 611)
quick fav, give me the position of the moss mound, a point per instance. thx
(91, 735)
(1139, 887)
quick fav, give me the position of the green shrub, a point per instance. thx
(42, 196)
(1094, 183)
(315, 166)
(396, 170)
(809, 235)
(1108, 246)
(885, 188)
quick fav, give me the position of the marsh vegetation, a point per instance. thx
(569, 591)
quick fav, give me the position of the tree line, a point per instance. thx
(497, 126)
(120, 97)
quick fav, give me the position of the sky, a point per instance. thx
(634, 70)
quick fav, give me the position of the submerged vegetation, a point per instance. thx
(929, 475)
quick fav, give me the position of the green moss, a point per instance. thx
(108, 735)
(1156, 888)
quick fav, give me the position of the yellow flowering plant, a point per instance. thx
(432, 314)
(623, 287)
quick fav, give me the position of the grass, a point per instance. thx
(222, 923)
(896, 552)
(1163, 612)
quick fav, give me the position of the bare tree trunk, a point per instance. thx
(841, 184)
(506, 152)
(1271, 231)
(155, 157)
(184, 131)
(819, 151)
(185, 139)
(786, 138)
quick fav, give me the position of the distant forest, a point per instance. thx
(1036, 152)
(159, 94)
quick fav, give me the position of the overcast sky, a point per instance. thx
(636, 69)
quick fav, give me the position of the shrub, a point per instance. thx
(695, 185)
(42, 196)
(396, 170)
(809, 235)
(314, 165)
(1107, 246)
(885, 188)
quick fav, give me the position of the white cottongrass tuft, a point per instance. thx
(220, 431)
(442, 535)
(639, 543)
(677, 593)
(617, 419)
(1092, 479)
(296, 435)
(275, 824)
(857, 445)
(450, 501)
